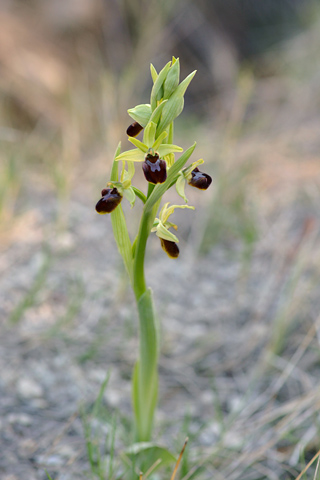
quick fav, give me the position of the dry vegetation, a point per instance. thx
(240, 309)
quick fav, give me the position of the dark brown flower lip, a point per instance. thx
(109, 201)
(199, 179)
(134, 129)
(154, 169)
(171, 248)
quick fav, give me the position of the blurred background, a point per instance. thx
(239, 365)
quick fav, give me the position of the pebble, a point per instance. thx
(29, 388)
(20, 418)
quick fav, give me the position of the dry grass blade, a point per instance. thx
(179, 459)
(317, 469)
(309, 465)
(150, 470)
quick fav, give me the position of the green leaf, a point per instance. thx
(145, 380)
(174, 105)
(158, 85)
(141, 113)
(139, 194)
(122, 238)
(145, 454)
(119, 226)
(173, 173)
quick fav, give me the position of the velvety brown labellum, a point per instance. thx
(171, 248)
(110, 200)
(134, 129)
(199, 179)
(154, 169)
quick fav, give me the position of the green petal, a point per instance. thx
(163, 232)
(167, 211)
(141, 113)
(142, 146)
(135, 155)
(159, 140)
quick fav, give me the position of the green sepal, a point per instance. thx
(130, 195)
(172, 80)
(173, 172)
(180, 186)
(134, 155)
(158, 84)
(163, 232)
(174, 105)
(141, 113)
(149, 134)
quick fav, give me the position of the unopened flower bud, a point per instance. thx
(154, 169)
(199, 180)
(171, 248)
(109, 201)
(134, 129)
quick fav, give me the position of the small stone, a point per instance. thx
(29, 388)
(20, 418)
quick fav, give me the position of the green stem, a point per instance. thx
(145, 378)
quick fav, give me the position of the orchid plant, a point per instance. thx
(156, 152)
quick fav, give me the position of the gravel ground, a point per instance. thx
(68, 318)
